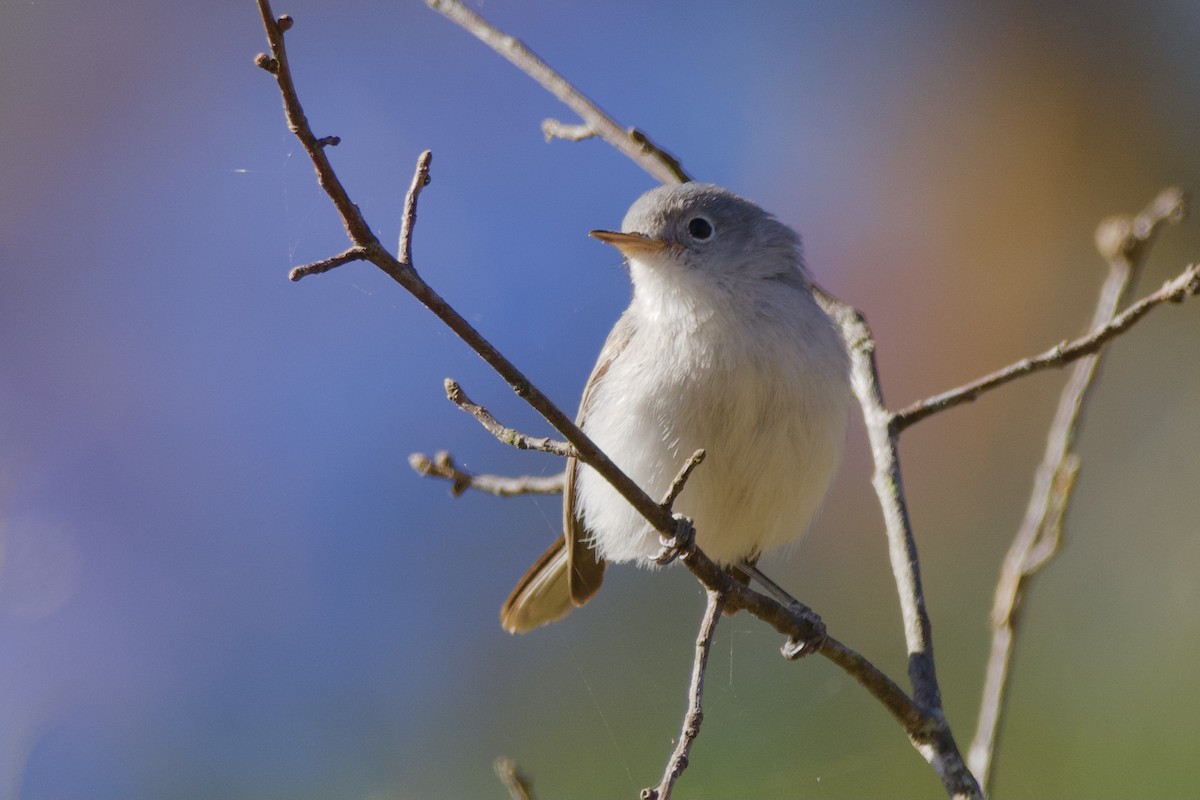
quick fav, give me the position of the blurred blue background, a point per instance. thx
(218, 575)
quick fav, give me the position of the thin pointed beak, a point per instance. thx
(630, 244)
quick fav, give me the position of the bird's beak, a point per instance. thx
(631, 244)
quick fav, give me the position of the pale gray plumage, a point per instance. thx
(723, 348)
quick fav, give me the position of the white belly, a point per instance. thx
(772, 423)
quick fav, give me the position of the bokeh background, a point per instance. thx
(218, 575)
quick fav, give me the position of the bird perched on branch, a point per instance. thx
(723, 347)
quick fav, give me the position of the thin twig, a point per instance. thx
(510, 436)
(326, 264)
(409, 218)
(1117, 238)
(553, 129)
(1051, 535)
(1125, 244)
(681, 479)
(633, 143)
(792, 622)
(519, 786)
(442, 466)
(694, 716)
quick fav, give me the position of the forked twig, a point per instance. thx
(633, 143)
(935, 741)
(1119, 239)
(442, 466)
(1125, 244)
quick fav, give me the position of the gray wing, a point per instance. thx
(585, 567)
(569, 572)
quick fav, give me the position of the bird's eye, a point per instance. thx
(700, 229)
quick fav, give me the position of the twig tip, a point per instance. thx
(423, 162)
(1172, 204)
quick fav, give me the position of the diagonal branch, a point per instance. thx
(510, 436)
(1120, 239)
(707, 571)
(633, 143)
(1125, 244)
(277, 64)
(442, 466)
(799, 626)
(933, 739)
(517, 783)
(407, 277)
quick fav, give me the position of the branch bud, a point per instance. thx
(266, 62)
(1115, 237)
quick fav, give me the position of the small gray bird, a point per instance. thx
(723, 348)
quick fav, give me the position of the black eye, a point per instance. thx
(700, 228)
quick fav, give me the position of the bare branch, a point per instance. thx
(1119, 238)
(326, 264)
(694, 716)
(1050, 539)
(633, 143)
(792, 621)
(404, 274)
(1182, 286)
(510, 436)
(409, 218)
(681, 479)
(1125, 243)
(889, 487)
(934, 740)
(442, 466)
(277, 64)
(518, 785)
